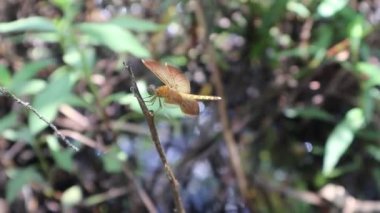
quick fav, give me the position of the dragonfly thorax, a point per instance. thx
(170, 95)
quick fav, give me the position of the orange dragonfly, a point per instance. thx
(176, 89)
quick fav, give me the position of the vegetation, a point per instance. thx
(297, 130)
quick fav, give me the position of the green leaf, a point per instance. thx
(341, 138)
(76, 101)
(27, 72)
(48, 37)
(21, 135)
(114, 37)
(35, 23)
(77, 58)
(323, 41)
(24, 135)
(113, 160)
(374, 151)
(328, 8)
(298, 8)
(135, 24)
(370, 71)
(63, 4)
(20, 179)
(32, 87)
(309, 113)
(72, 196)
(5, 76)
(48, 101)
(356, 33)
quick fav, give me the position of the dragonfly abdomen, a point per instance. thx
(201, 97)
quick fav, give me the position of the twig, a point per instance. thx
(29, 107)
(149, 116)
(227, 133)
(222, 108)
(140, 191)
(84, 140)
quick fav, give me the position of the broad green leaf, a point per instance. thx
(48, 37)
(48, 101)
(20, 179)
(27, 72)
(341, 138)
(32, 87)
(135, 24)
(66, 72)
(114, 37)
(72, 196)
(35, 23)
(328, 8)
(80, 58)
(76, 101)
(5, 76)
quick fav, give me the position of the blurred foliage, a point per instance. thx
(301, 81)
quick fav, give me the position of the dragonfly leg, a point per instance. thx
(150, 100)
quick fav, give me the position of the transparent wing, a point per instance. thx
(169, 75)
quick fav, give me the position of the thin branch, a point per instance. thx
(84, 140)
(233, 150)
(149, 116)
(30, 108)
(227, 133)
(140, 190)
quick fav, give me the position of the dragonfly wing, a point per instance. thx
(169, 75)
(180, 82)
(189, 106)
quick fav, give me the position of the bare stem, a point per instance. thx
(149, 116)
(30, 108)
(235, 160)
(233, 150)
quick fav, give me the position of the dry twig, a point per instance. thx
(227, 132)
(233, 150)
(149, 116)
(29, 107)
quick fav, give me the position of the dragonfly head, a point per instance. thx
(151, 90)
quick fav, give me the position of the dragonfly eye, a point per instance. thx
(151, 90)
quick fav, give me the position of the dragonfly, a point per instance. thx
(176, 89)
